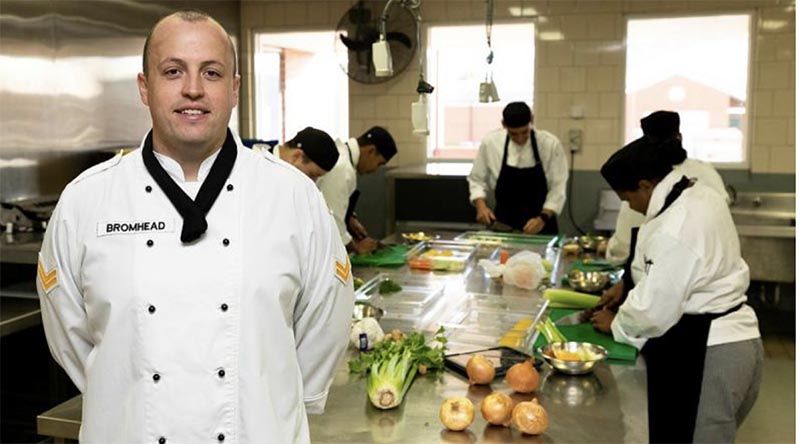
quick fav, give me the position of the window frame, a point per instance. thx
(749, 138)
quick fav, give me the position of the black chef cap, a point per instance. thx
(317, 145)
(382, 140)
(661, 124)
(516, 114)
(643, 159)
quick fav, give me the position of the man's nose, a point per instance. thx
(193, 86)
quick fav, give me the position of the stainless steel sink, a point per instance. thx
(766, 226)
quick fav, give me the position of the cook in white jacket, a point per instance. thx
(686, 311)
(525, 169)
(660, 125)
(186, 299)
(363, 155)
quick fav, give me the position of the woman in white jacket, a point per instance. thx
(686, 311)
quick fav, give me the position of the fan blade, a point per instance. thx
(399, 37)
(355, 45)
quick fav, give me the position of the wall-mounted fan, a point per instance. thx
(360, 27)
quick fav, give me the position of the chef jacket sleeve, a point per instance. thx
(334, 186)
(322, 315)
(656, 302)
(479, 175)
(556, 173)
(63, 311)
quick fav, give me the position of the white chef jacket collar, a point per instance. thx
(660, 193)
(173, 168)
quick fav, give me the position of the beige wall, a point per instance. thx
(586, 68)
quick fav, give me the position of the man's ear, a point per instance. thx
(141, 81)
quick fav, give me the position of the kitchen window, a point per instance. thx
(298, 83)
(456, 66)
(698, 67)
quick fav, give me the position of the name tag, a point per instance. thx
(135, 227)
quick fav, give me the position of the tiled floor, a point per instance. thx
(772, 419)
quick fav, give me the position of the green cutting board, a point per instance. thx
(389, 256)
(586, 333)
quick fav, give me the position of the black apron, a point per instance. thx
(675, 364)
(352, 200)
(520, 193)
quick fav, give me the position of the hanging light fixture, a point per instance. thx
(487, 91)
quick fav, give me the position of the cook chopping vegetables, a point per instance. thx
(186, 299)
(311, 151)
(526, 169)
(686, 311)
(363, 155)
(661, 125)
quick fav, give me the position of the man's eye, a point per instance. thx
(213, 74)
(172, 72)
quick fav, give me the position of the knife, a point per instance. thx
(496, 225)
(573, 319)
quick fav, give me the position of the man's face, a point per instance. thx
(190, 86)
(370, 161)
(520, 134)
(306, 165)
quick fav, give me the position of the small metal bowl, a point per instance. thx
(588, 281)
(573, 367)
(571, 246)
(365, 310)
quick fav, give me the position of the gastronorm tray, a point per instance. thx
(409, 308)
(495, 239)
(441, 255)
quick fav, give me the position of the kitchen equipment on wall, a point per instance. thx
(28, 214)
(378, 45)
(487, 91)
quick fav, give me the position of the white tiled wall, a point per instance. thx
(586, 68)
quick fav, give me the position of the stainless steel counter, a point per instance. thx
(20, 248)
(609, 405)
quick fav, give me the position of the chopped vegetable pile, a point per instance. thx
(394, 362)
(550, 331)
(388, 286)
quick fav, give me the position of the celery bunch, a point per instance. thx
(393, 364)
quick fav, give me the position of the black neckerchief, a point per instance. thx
(675, 192)
(193, 212)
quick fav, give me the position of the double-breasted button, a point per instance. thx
(151, 309)
(162, 440)
(156, 377)
(148, 188)
(220, 437)
(226, 242)
(229, 187)
(224, 307)
(150, 242)
(221, 373)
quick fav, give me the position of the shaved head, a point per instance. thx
(190, 16)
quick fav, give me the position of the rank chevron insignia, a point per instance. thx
(48, 279)
(343, 270)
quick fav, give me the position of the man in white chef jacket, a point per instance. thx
(661, 125)
(526, 170)
(186, 299)
(362, 155)
(311, 151)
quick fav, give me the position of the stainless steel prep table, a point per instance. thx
(609, 405)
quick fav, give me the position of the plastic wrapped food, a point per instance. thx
(524, 270)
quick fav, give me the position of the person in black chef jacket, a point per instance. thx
(686, 311)
(527, 170)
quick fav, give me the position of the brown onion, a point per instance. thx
(530, 417)
(522, 377)
(457, 413)
(480, 370)
(496, 409)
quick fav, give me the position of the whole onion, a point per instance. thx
(496, 409)
(530, 417)
(480, 370)
(457, 413)
(522, 377)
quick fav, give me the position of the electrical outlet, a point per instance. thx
(575, 140)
